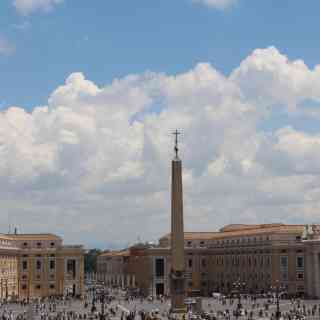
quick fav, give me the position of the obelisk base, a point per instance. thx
(178, 316)
(178, 295)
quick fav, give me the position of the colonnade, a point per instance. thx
(119, 280)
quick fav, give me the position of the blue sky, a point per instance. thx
(96, 154)
(110, 39)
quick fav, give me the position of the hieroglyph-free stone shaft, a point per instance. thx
(177, 240)
(177, 235)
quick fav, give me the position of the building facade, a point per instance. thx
(39, 265)
(110, 267)
(8, 268)
(258, 256)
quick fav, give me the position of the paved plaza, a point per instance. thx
(213, 308)
(123, 307)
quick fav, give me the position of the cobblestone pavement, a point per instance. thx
(213, 306)
(162, 308)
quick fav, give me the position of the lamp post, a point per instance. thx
(18, 289)
(7, 290)
(93, 306)
(102, 301)
(277, 289)
(239, 286)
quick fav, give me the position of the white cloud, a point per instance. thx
(298, 151)
(269, 78)
(217, 4)
(98, 158)
(6, 47)
(26, 7)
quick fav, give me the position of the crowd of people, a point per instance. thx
(250, 308)
(54, 308)
(110, 305)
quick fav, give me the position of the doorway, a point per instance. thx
(159, 289)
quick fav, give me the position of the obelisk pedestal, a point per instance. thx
(177, 279)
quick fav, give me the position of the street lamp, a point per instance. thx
(93, 306)
(277, 289)
(239, 286)
(102, 301)
(18, 289)
(7, 290)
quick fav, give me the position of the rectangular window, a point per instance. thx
(24, 264)
(284, 262)
(284, 276)
(203, 263)
(300, 276)
(190, 263)
(71, 268)
(38, 265)
(160, 268)
(300, 262)
(52, 264)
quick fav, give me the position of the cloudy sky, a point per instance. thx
(91, 90)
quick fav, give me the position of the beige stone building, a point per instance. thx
(111, 267)
(8, 267)
(260, 256)
(39, 265)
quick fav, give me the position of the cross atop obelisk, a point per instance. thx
(176, 149)
(177, 279)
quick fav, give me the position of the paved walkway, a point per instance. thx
(124, 306)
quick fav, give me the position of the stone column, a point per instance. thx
(316, 274)
(45, 280)
(122, 281)
(309, 281)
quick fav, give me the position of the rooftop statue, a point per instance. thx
(310, 230)
(305, 232)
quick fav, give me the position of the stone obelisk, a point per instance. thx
(177, 285)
